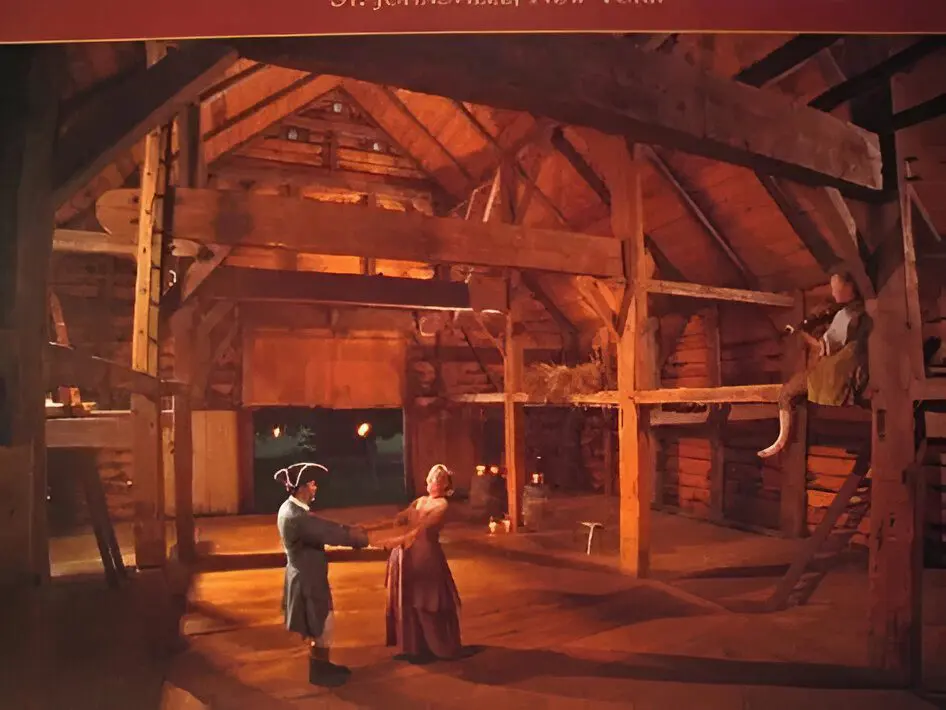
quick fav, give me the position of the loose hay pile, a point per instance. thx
(555, 383)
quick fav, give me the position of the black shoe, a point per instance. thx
(327, 674)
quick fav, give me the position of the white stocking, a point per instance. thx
(784, 426)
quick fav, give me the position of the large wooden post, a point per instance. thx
(514, 413)
(150, 534)
(896, 563)
(636, 353)
(793, 496)
(190, 173)
(29, 101)
(714, 368)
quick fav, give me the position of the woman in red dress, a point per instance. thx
(422, 602)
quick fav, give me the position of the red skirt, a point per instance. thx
(422, 602)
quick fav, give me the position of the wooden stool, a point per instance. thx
(591, 533)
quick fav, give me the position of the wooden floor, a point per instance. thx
(553, 629)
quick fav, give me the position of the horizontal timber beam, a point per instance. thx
(87, 242)
(314, 316)
(680, 288)
(741, 394)
(596, 399)
(242, 219)
(709, 395)
(121, 246)
(271, 172)
(231, 284)
(605, 84)
(864, 82)
(117, 119)
(66, 367)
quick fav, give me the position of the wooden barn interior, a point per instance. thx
(571, 258)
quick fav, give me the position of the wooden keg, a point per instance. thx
(487, 496)
(535, 502)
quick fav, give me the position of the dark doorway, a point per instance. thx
(362, 448)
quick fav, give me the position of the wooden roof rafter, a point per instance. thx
(504, 155)
(404, 109)
(767, 71)
(685, 195)
(863, 82)
(238, 130)
(231, 81)
(444, 190)
(150, 97)
(772, 136)
(375, 102)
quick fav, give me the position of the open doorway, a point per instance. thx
(362, 448)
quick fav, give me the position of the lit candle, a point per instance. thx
(507, 524)
(481, 470)
(494, 470)
(492, 527)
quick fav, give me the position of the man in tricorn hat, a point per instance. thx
(307, 597)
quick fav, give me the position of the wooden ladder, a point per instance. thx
(830, 539)
(102, 526)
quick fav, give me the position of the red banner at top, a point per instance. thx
(69, 20)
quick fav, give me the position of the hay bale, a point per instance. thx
(557, 382)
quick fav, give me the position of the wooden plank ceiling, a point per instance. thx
(281, 131)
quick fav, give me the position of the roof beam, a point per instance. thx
(298, 175)
(839, 245)
(232, 284)
(785, 59)
(921, 113)
(251, 122)
(231, 81)
(676, 182)
(866, 81)
(673, 322)
(802, 224)
(717, 293)
(502, 155)
(117, 119)
(608, 85)
(403, 108)
(243, 219)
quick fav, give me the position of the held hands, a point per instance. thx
(391, 542)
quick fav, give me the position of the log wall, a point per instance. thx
(96, 294)
(683, 457)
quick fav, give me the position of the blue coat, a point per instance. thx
(307, 597)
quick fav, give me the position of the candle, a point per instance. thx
(492, 527)
(481, 470)
(507, 523)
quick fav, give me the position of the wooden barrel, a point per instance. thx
(535, 501)
(487, 496)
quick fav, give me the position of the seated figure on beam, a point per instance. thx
(838, 376)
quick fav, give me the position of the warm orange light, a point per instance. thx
(494, 470)
(363, 429)
(276, 432)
